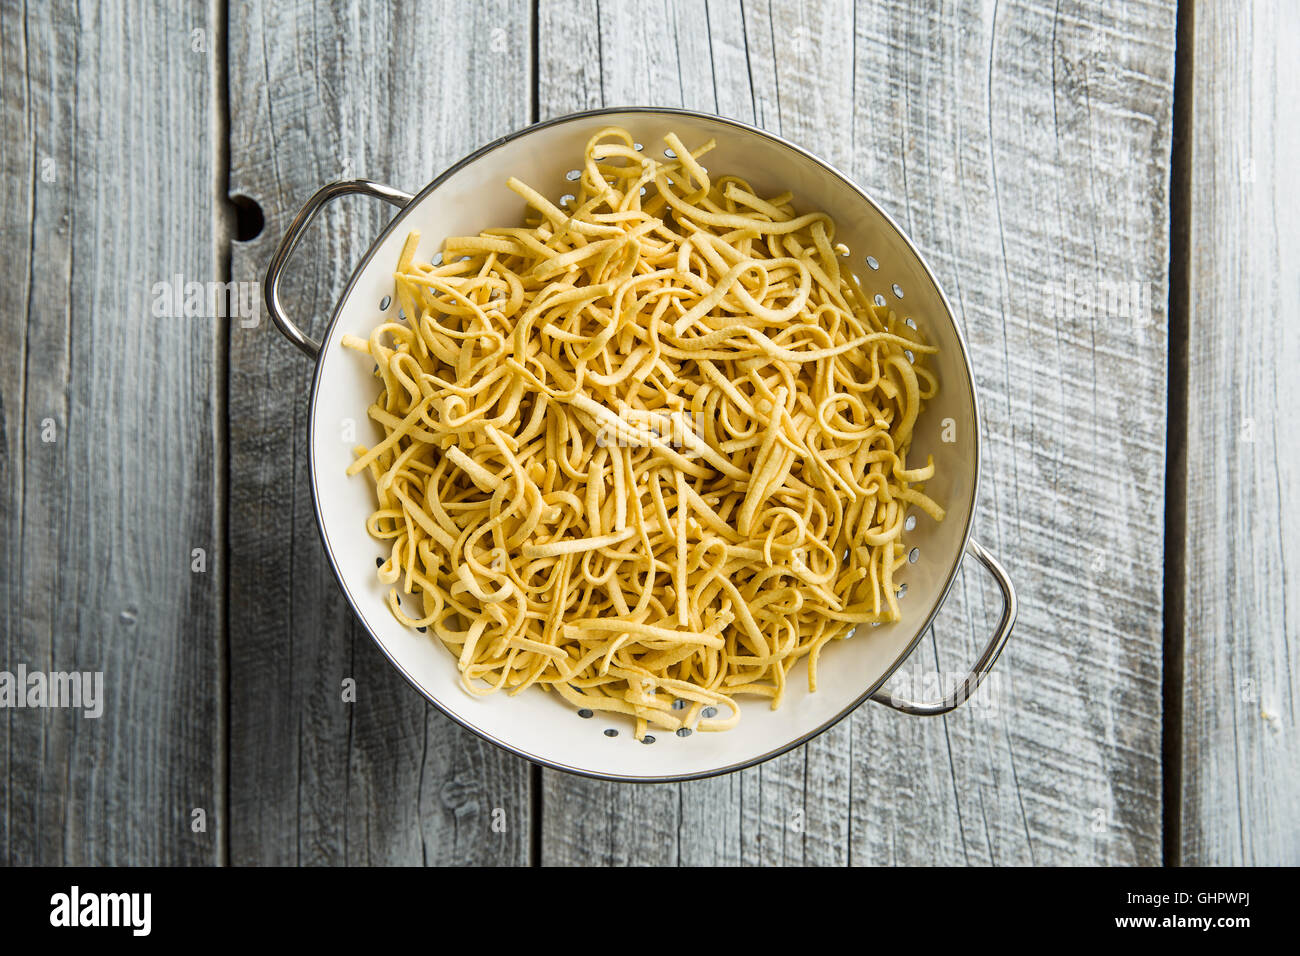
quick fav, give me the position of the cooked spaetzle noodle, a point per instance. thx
(648, 450)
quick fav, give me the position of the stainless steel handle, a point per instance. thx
(962, 691)
(293, 235)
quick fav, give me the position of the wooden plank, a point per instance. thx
(394, 95)
(110, 454)
(1240, 761)
(591, 55)
(1003, 116)
(979, 129)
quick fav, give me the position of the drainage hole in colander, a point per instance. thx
(709, 712)
(683, 731)
(384, 303)
(566, 199)
(910, 322)
(880, 299)
(679, 705)
(910, 523)
(871, 261)
(572, 175)
(379, 562)
(910, 356)
(914, 555)
(902, 590)
(437, 259)
(670, 154)
(585, 713)
(611, 732)
(647, 739)
(637, 147)
(897, 291)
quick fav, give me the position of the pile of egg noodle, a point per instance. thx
(647, 450)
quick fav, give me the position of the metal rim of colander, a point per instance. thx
(957, 556)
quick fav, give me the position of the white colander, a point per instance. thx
(541, 726)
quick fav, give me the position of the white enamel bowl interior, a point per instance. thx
(541, 725)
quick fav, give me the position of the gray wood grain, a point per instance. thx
(1241, 761)
(1024, 147)
(320, 94)
(109, 437)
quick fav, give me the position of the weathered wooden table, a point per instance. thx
(1100, 187)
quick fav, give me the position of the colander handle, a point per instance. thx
(293, 235)
(962, 691)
